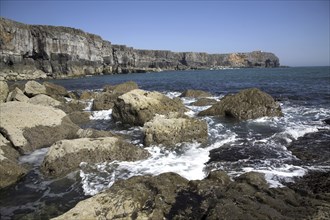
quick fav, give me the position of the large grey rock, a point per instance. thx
(44, 100)
(204, 102)
(104, 101)
(17, 95)
(138, 106)
(54, 90)
(195, 94)
(4, 90)
(247, 104)
(169, 130)
(30, 126)
(10, 170)
(33, 88)
(142, 197)
(66, 155)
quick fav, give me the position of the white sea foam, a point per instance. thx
(101, 115)
(35, 158)
(89, 105)
(274, 176)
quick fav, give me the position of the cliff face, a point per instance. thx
(35, 51)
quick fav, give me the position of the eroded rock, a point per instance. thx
(247, 104)
(65, 156)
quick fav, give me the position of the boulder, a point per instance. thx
(44, 100)
(66, 155)
(104, 101)
(195, 94)
(169, 130)
(142, 197)
(4, 90)
(138, 106)
(17, 95)
(33, 88)
(204, 102)
(79, 117)
(55, 90)
(121, 88)
(29, 126)
(247, 104)
(10, 170)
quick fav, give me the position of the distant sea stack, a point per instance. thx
(41, 51)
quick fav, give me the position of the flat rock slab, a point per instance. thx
(29, 126)
(65, 156)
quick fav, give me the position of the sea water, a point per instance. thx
(254, 145)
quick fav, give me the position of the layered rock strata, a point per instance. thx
(40, 51)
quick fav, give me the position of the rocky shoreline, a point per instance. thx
(35, 115)
(39, 51)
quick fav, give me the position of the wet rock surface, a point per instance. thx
(312, 152)
(66, 155)
(170, 196)
(247, 104)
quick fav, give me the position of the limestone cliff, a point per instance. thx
(40, 51)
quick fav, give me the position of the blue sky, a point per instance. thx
(296, 31)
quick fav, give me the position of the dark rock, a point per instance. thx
(79, 118)
(195, 94)
(247, 104)
(104, 101)
(310, 151)
(327, 121)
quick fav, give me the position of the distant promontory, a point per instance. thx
(41, 51)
